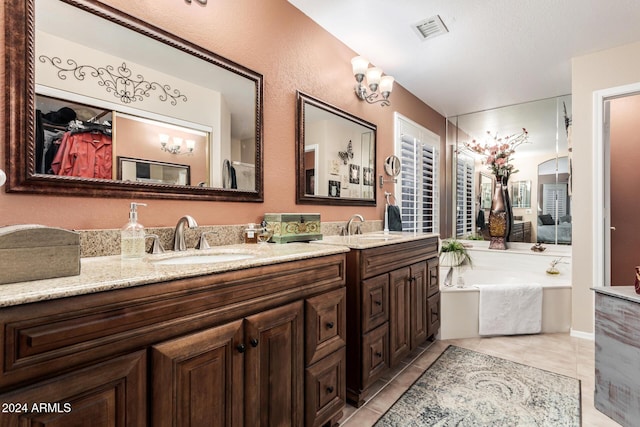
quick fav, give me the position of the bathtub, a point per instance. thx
(518, 264)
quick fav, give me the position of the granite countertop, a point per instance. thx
(623, 292)
(372, 240)
(111, 272)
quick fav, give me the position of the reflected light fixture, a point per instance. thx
(176, 147)
(379, 85)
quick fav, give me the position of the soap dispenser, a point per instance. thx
(132, 235)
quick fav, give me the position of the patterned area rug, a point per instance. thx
(466, 388)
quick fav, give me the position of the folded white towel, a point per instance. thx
(510, 309)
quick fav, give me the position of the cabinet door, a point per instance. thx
(418, 301)
(374, 354)
(325, 389)
(326, 324)
(198, 379)
(434, 314)
(433, 265)
(274, 367)
(399, 320)
(110, 394)
(375, 302)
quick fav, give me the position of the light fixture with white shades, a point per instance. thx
(379, 85)
(176, 147)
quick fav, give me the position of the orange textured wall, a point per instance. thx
(292, 53)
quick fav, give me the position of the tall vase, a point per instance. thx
(500, 216)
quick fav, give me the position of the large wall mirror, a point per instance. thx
(89, 86)
(336, 155)
(540, 190)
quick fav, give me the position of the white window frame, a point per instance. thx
(419, 201)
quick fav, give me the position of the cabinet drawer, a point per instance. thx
(111, 393)
(433, 280)
(325, 389)
(375, 302)
(325, 328)
(375, 354)
(383, 259)
(433, 314)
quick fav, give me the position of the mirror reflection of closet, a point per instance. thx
(548, 124)
(151, 96)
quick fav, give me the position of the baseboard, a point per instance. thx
(583, 335)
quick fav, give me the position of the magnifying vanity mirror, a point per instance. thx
(540, 191)
(140, 113)
(336, 155)
(392, 166)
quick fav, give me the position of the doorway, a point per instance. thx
(621, 138)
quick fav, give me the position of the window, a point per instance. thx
(419, 198)
(464, 196)
(554, 200)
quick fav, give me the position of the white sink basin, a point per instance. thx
(203, 259)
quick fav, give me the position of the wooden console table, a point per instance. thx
(617, 339)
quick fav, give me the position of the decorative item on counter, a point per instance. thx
(265, 232)
(500, 217)
(132, 235)
(453, 253)
(250, 233)
(294, 227)
(34, 252)
(497, 155)
(636, 283)
(552, 268)
(538, 247)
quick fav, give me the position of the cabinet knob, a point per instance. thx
(329, 389)
(377, 302)
(241, 348)
(378, 354)
(330, 325)
(254, 342)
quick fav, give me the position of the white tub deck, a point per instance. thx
(518, 264)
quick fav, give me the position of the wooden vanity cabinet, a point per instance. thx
(111, 393)
(254, 347)
(254, 363)
(393, 307)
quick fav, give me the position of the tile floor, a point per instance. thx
(559, 353)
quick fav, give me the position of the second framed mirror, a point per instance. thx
(335, 155)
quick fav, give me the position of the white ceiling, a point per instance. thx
(497, 52)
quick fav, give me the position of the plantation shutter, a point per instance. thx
(552, 193)
(418, 183)
(464, 196)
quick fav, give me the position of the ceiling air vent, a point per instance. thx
(430, 28)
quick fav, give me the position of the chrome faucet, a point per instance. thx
(348, 227)
(178, 236)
